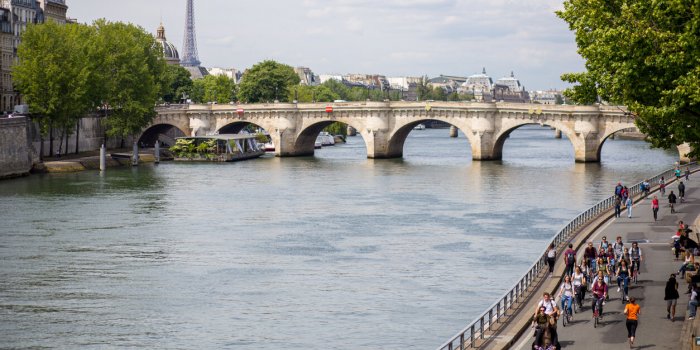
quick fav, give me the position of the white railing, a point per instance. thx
(477, 329)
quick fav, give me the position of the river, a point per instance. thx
(334, 251)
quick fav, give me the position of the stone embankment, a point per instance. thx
(16, 156)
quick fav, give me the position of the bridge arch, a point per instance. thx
(500, 138)
(397, 138)
(306, 138)
(165, 133)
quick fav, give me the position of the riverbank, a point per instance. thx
(88, 161)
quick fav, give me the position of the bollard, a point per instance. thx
(453, 131)
(103, 158)
(135, 155)
(157, 152)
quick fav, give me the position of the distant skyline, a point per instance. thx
(390, 37)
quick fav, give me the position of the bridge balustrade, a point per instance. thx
(476, 331)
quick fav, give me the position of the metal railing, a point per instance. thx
(477, 329)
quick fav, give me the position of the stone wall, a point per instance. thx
(16, 156)
(90, 133)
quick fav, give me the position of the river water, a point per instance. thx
(335, 251)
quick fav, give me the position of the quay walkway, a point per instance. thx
(655, 330)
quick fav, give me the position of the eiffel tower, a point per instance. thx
(190, 58)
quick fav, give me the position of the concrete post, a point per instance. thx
(351, 131)
(557, 133)
(103, 158)
(453, 131)
(135, 155)
(157, 152)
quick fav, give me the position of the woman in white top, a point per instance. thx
(579, 282)
(566, 294)
(551, 258)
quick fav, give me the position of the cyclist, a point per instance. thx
(579, 281)
(672, 201)
(600, 292)
(636, 256)
(542, 323)
(552, 311)
(623, 275)
(646, 187)
(569, 260)
(604, 244)
(618, 248)
(566, 295)
(589, 256)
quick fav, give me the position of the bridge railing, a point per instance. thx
(476, 330)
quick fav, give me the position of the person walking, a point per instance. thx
(569, 260)
(655, 207)
(687, 173)
(662, 186)
(618, 205)
(671, 297)
(681, 191)
(632, 311)
(551, 258)
(672, 202)
(693, 302)
(629, 204)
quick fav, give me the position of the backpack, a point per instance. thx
(570, 258)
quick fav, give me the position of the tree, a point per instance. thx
(642, 54)
(129, 64)
(175, 81)
(306, 93)
(214, 88)
(54, 75)
(267, 81)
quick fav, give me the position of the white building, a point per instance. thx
(231, 73)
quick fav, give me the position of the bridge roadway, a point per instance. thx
(655, 331)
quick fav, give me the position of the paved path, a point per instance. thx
(655, 331)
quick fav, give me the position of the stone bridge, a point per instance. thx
(384, 126)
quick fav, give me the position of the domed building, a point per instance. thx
(169, 51)
(478, 84)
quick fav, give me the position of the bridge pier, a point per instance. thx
(557, 133)
(587, 148)
(454, 132)
(484, 146)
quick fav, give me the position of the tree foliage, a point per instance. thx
(129, 66)
(643, 54)
(65, 71)
(54, 74)
(267, 81)
(213, 88)
(176, 81)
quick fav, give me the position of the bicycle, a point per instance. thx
(597, 307)
(567, 316)
(635, 271)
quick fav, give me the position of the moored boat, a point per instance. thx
(216, 148)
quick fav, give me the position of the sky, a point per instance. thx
(390, 37)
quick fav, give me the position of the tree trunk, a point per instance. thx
(50, 140)
(77, 137)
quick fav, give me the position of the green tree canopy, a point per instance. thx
(642, 54)
(129, 65)
(267, 81)
(175, 81)
(214, 88)
(54, 74)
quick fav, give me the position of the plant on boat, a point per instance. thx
(262, 138)
(186, 148)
